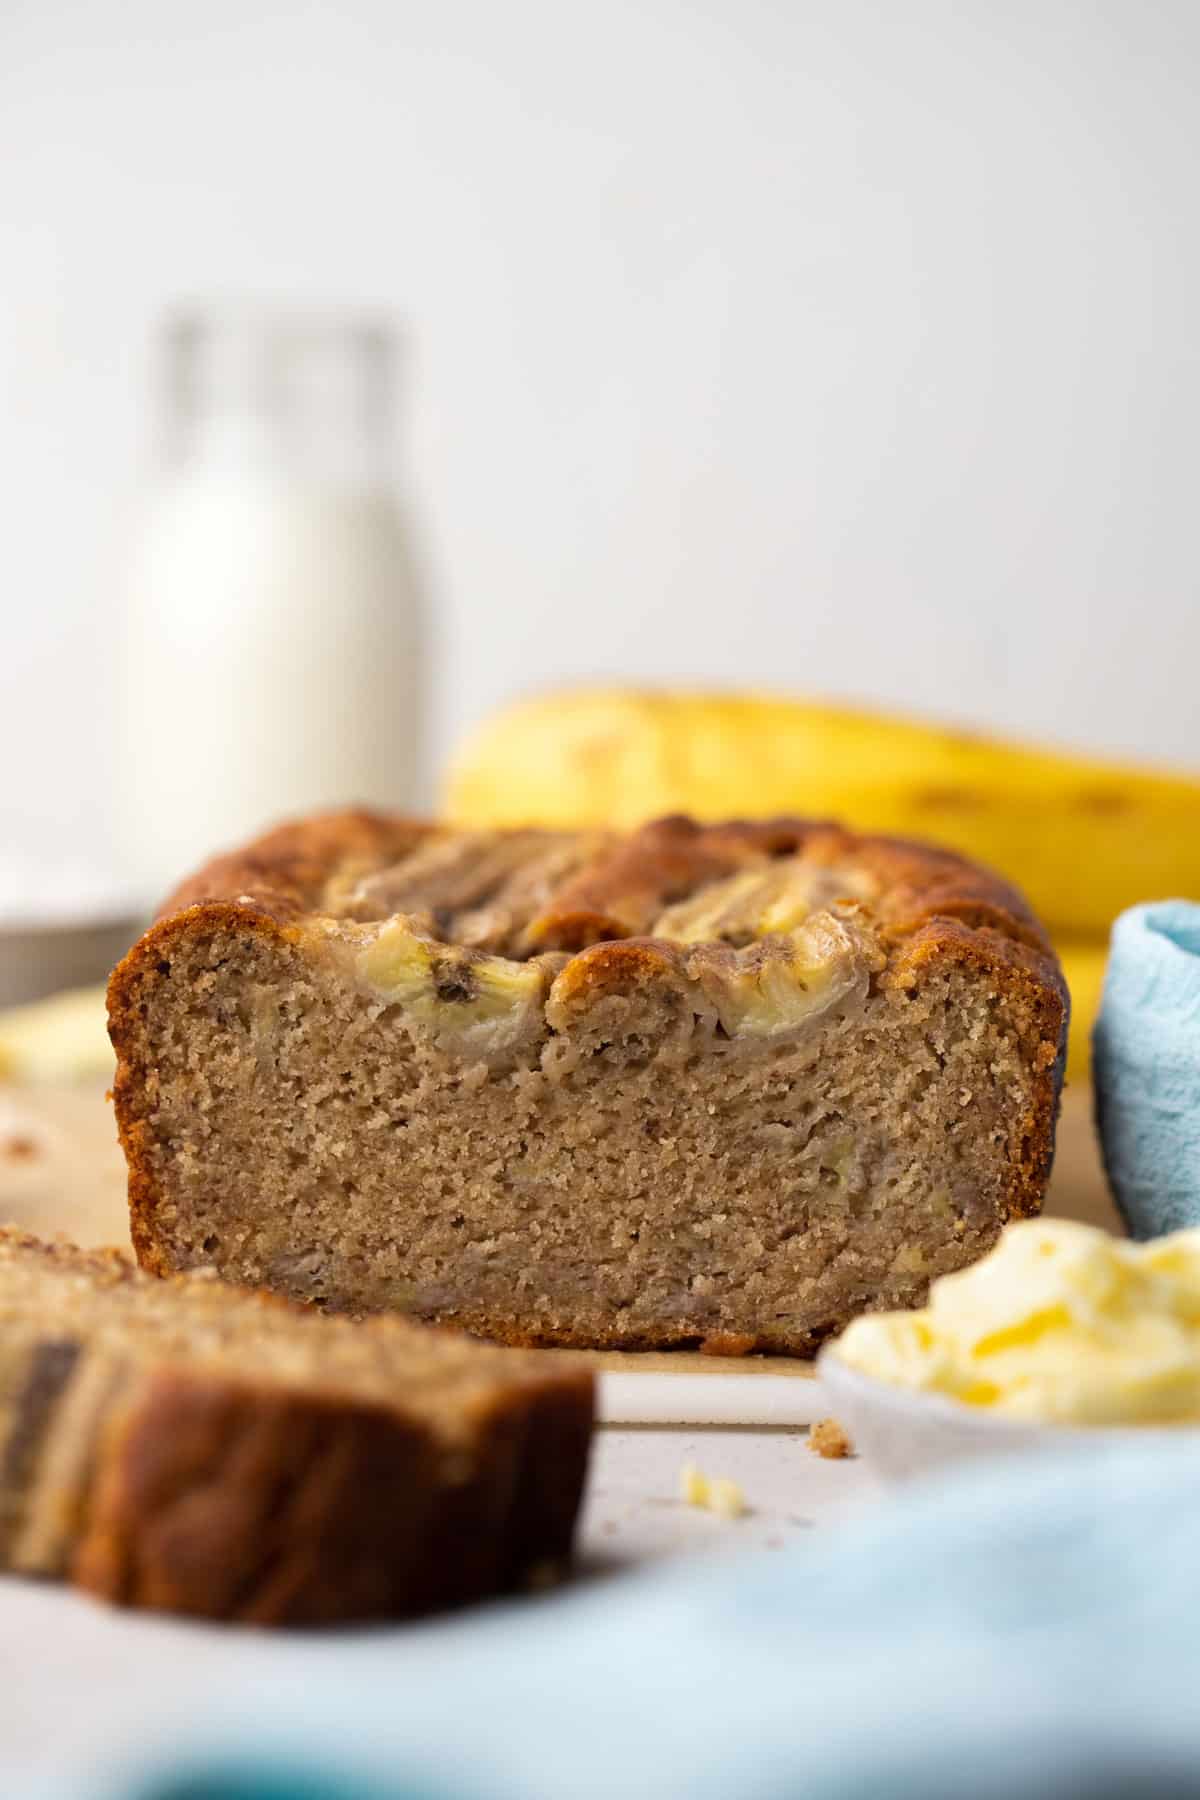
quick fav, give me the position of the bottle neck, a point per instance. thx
(292, 400)
(250, 445)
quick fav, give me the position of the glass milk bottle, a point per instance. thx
(273, 660)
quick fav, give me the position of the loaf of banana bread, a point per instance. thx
(198, 1448)
(719, 1087)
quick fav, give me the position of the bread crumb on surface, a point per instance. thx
(726, 1498)
(718, 1494)
(827, 1438)
(693, 1485)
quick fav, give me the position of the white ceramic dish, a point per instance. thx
(903, 1433)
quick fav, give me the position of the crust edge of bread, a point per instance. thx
(936, 907)
(154, 1480)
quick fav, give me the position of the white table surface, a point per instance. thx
(634, 1510)
(78, 1680)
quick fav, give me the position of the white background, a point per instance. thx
(843, 346)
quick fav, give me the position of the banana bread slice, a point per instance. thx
(205, 1449)
(720, 1086)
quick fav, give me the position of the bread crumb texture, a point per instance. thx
(715, 1493)
(829, 1439)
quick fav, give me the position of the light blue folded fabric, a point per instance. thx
(1146, 1062)
(1032, 1629)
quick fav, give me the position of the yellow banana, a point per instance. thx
(1083, 839)
(1083, 965)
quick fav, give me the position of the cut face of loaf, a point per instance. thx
(197, 1448)
(717, 1086)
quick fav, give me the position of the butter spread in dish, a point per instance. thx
(1060, 1323)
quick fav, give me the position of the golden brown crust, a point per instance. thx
(218, 1499)
(927, 907)
(624, 890)
(258, 1495)
(230, 1500)
(283, 873)
(550, 1481)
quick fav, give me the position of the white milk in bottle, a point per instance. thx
(273, 658)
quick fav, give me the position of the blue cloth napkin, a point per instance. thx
(1146, 1063)
(1032, 1629)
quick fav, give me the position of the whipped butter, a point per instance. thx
(1060, 1323)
